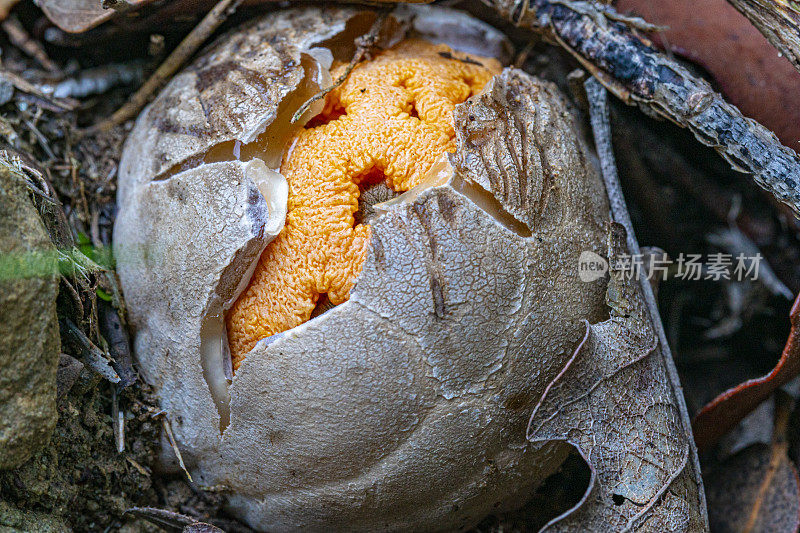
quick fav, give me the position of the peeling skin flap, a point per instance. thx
(274, 189)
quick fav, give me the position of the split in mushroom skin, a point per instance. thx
(390, 120)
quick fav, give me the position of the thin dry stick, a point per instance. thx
(174, 61)
(23, 85)
(363, 45)
(171, 437)
(20, 38)
(639, 74)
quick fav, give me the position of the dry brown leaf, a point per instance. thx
(612, 400)
(726, 410)
(75, 15)
(757, 489)
(80, 15)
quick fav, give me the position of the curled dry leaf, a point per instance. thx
(726, 410)
(749, 71)
(612, 400)
(757, 489)
(467, 306)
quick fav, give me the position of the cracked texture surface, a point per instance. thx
(612, 400)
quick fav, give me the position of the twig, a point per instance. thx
(171, 64)
(363, 45)
(32, 177)
(522, 56)
(169, 520)
(20, 38)
(142, 470)
(735, 242)
(118, 419)
(778, 20)
(43, 142)
(171, 437)
(21, 84)
(118, 343)
(637, 73)
(91, 354)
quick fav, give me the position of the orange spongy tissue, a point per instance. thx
(392, 118)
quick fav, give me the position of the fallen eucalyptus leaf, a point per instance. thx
(726, 410)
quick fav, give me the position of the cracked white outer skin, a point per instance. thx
(405, 408)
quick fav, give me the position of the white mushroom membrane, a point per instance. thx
(404, 408)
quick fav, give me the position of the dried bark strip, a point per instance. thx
(637, 73)
(778, 20)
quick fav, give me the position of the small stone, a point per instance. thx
(6, 91)
(29, 338)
